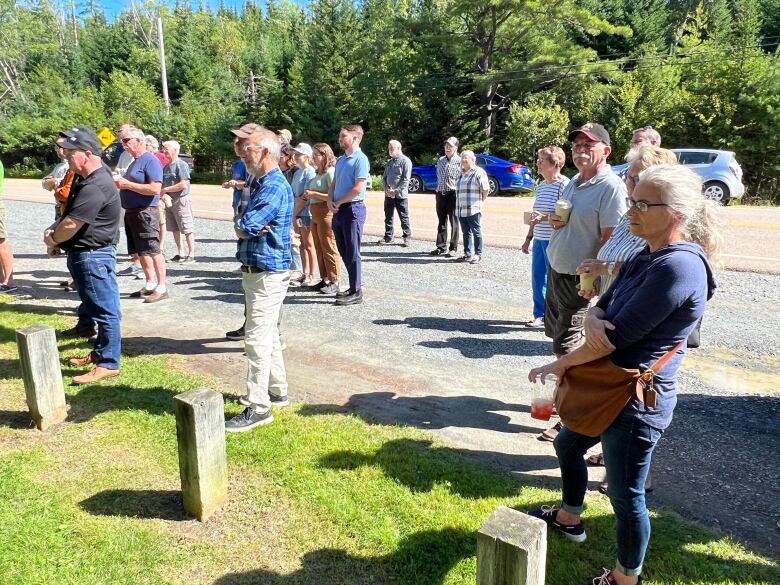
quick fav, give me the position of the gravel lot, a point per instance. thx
(440, 345)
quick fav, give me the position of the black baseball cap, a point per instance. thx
(593, 131)
(80, 138)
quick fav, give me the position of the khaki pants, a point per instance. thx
(264, 293)
(328, 257)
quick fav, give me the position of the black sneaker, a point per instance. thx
(436, 252)
(406, 242)
(607, 578)
(236, 335)
(248, 420)
(343, 293)
(176, 259)
(330, 289)
(575, 532)
(279, 401)
(353, 299)
(385, 241)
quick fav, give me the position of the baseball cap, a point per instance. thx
(304, 148)
(245, 130)
(452, 141)
(593, 131)
(80, 138)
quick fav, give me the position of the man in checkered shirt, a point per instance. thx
(472, 189)
(448, 172)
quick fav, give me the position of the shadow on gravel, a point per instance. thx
(420, 466)
(411, 258)
(162, 504)
(473, 326)
(152, 345)
(422, 558)
(428, 412)
(471, 347)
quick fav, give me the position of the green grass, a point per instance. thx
(318, 497)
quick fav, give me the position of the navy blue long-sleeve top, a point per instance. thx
(654, 304)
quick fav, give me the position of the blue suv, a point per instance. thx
(503, 175)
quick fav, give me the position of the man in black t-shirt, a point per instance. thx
(87, 231)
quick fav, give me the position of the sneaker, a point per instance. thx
(248, 420)
(550, 434)
(606, 578)
(156, 296)
(463, 259)
(144, 292)
(188, 260)
(536, 323)
(451, 254)
(130, 270)
(575, 532)
(330, 289)
(279, 401)
(6, 288)
(476, 259)
(176, 258)
(406, 242)
(96, 374)
(343, 293)
(237, 335)
(436, 252)
(353, 299)
(385, 241)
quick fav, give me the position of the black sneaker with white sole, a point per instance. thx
(248, 420)
(575, 532)
(275, 400)
(237, 335)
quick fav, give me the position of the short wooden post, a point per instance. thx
(200, 431)
(511, 549)
(43, 387)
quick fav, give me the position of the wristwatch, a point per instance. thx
(611, 268)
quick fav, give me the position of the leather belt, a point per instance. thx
(251, 269)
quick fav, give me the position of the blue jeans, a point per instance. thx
(539, 266)
(628, 447)
(471, 225)
(94, 272)
(348, 224)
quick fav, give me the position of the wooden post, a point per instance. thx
(511, 549)
(200, 431)
(43, 387)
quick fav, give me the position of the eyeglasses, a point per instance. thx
(126, 140)
(643, 206)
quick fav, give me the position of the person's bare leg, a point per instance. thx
(163, 231)
(158, 262)
(6, 263)
(177, 239)
(148, 267)
(190, 244)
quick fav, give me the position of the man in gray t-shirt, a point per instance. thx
(395, 181)
(598, 199)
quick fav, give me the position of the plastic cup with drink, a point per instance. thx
(588, 282)
(563, 209)
(542, 398)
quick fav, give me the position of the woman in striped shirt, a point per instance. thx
(549, 162)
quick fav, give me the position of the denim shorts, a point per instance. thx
(303, 221)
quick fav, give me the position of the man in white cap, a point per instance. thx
(448, 171)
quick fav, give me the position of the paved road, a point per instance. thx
(441, 346)
(752, 233)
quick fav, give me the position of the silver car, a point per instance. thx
(719, 170)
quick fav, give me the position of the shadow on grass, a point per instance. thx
(16, 419)
(162, 504)
(420, 466)
(423, 558)
(92, 401)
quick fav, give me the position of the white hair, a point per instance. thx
(468, 154)
(173, 145)
(134, 132)
(652, 135)
(270, 141)
(152, 141)
(681, 190)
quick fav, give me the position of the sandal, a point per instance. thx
(550, 434)
(596, 460)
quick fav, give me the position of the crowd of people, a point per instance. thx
(620, 269)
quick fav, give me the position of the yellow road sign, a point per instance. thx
(106, 137)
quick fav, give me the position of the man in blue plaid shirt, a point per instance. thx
(264, 250)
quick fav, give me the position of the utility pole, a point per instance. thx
(163, 70)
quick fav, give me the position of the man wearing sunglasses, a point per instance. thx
(87, 231)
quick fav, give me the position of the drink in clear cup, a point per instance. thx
(527, 217)
(588, 282)
(563, 209)
(542, 398)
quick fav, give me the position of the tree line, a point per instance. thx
(504, 76)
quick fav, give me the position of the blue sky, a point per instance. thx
(114, 7)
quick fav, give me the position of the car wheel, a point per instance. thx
(494, 186)
(415, 184)
(717, 191)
